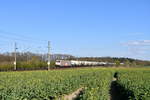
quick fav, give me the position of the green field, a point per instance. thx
(132, 84)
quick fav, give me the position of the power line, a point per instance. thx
(22, 36)
(19, 39)
(21, 46)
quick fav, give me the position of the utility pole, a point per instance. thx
(15, 55)
(49, 60)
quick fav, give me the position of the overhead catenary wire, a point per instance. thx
(4, 37)
(8, 39)
(11, 38)
(41, 48)
(12, 34)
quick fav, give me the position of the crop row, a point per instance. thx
(47, 85)
(137, 82)
(50, 85)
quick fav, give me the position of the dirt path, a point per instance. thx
(74, 95)
(118, 92)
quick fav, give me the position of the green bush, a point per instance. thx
(31, 65)
(5, 66)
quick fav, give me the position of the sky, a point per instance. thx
(93, 28)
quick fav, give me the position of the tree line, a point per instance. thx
(34, 61)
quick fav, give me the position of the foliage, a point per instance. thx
(49, 85)
(45, 85)
(33, 64)
(117, 62)
(5, 66)
(137, 81)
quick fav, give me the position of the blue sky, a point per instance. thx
(118, 28)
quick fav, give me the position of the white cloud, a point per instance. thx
(138, 49)
(138, 43)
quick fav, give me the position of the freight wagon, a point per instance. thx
(73, 63)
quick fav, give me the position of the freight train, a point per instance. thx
(74, 63)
